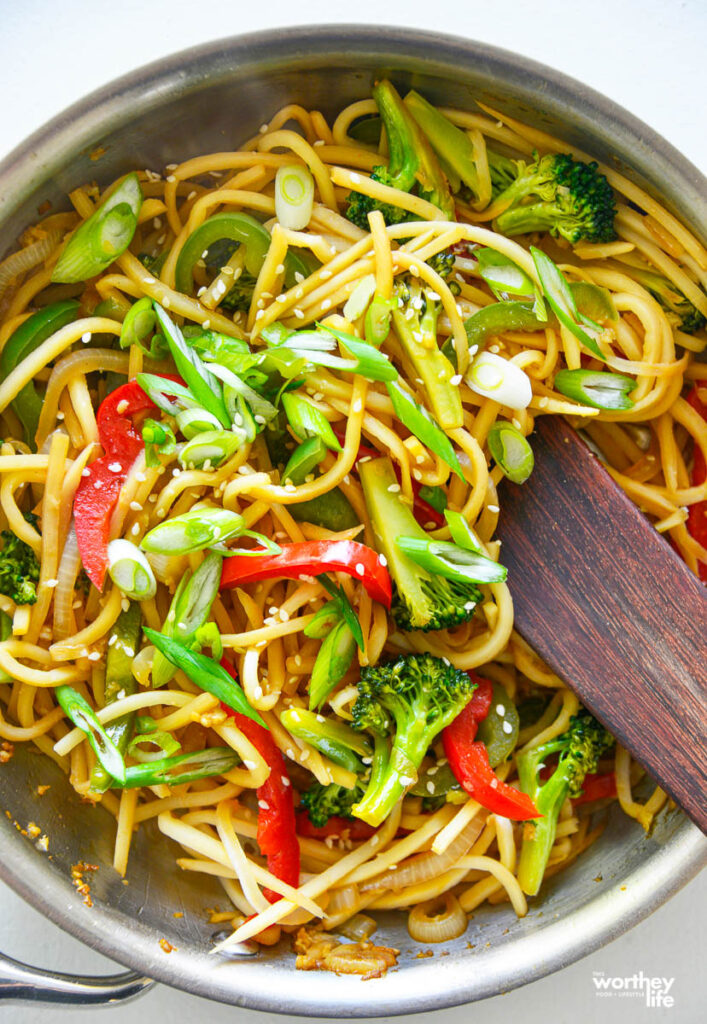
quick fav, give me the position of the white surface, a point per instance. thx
(648, 55)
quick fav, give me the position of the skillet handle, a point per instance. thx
(20, 982)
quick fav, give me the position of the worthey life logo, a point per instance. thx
(654, 991)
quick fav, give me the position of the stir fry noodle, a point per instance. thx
(255, 412)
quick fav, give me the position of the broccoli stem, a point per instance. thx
(392, 780)
(539, 836)
(403, 161)
(390, 518)
(430, 365)
(527, 217)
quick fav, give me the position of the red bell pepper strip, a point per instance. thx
(311, 558)
(697, 513)
(469, 761)
(597, 787)
(422, 510)
(354, 828)
(99, 489)
(276, 805)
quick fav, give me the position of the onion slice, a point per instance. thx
(437, 920)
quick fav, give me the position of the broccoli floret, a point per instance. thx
(19, 568)
(324, 802)
(411, 161)
(580, 749)
(558, 194)
(679, 308)
(415, 320)
(413, 698)
(421, 600)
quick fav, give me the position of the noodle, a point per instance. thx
(428, 853)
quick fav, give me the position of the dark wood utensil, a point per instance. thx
(612, 609)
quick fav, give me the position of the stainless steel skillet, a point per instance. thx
(207, 99)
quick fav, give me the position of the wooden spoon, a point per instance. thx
(611, 608)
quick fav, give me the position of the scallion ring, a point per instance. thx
(84, 717)
(209, 449)
(308, 421)
(511, 450)
(103, 237)
(130, 571)
(196, 421)
(193, 531)
(492, 376)
(294, 196)
(595, 388)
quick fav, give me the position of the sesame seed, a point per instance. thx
(122, 406)
(456, 379)
(51, 583)
(430, 787)
(115, 467)
(86, 472)
(500, 710)
(493, 508)
(171, 179)
(507, 727)
(360, 568)
(94, 656)
(394, 488)
(298, 313)
(85, 338)
(263, 805)
(383, 560)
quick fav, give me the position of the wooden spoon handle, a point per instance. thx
(613, 610)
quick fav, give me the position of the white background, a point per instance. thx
(648, 55)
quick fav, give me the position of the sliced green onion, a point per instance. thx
(196, 421)
(164, 745)
(103, 237)
(307, 421)
(266, 546)
(369, 361)
(130, 571)
(332, 663)
(138, 325)
(263, 411)
(205, 673)
(294, 196)
(209, 636)
(193, 531)
(462, 534)
(600, 390)
(347, 612)
(84, 718)
(205, 387)
(323, 621)
(337, 741)
(160, 390)
(193, 605)
(276, 334)
(434, 496)
(560, 296)
(123, 642)
(357, 302)
(188, 612)
(159, 440)
(175, 771)
(420, 423)
(212, 447)
(494, 377)
(377, 324)
(504, 278)
(305, 458)
(511, 450)
(451, 561)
